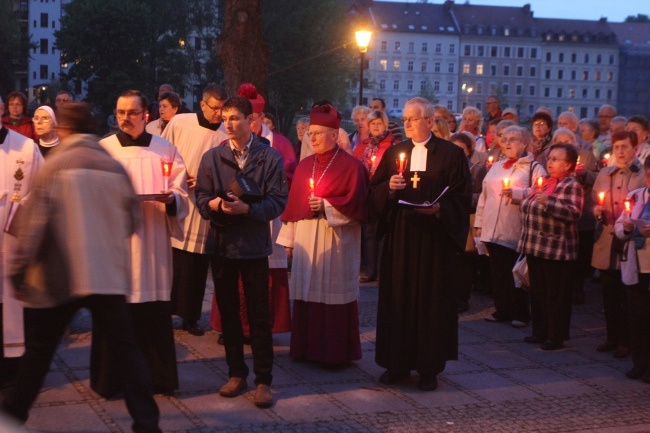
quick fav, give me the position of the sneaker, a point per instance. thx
(518, 324)
(233, 387)
(263, 397)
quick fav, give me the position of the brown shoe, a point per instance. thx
(263, 396)
(233, 387)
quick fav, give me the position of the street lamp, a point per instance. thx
(363, 40)
(467, 90)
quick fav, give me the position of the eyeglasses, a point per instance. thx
(512, 140)
(62, 100)
(215, 109)
(41, 119)
(129, 114)
(317, 133)
(540, 123)
(411, 119)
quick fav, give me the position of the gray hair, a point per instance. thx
(360, 109)
(504, 124)
(426, 108)
(522, 132)
(377, 115)
(304, 120)
(473, 111)
(565, 131)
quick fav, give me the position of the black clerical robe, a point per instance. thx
(417, 322)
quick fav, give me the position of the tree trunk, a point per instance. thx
(241, 48)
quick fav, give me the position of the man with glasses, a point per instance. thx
(62, 98)
(417, 322)
(193, 134)
(605, 115)
(158, 175)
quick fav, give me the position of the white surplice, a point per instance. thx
(192, 140)
(19, 161)
(151, 249)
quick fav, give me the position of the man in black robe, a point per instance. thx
(417, 322)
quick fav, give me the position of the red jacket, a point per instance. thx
(25, 127)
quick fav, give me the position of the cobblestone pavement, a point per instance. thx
(499, 384)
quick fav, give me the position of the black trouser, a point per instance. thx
(255, 281)
(188, 284)
(615, 307)
(511, 302)
(371, 248)
(583, 263)
(550, 298)
(43, 330)
(8, 366)
(638, 301)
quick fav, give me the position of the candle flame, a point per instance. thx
(627, 204)
(490, 159)
(540, 181)
(601, 198)
(311, 183)
(607, 156)
(506, 182)
(402, 156)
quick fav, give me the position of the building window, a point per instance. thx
(396, 103)
(423, 85)
(559, 92)
(450, 86)
(599, 59)
(44, 46)
(585, 75)
(452, 48)
(520, 71)
(493, 70)
(574, 57)
(383, 64)
(533, 71)
(436, 86)
(396, 65)
(586, 57)
(450, 105)
(506, 89)
(44, 72)
(34, 27)
(493, 89)
(409, 66)
(466, 68)
(548, 57)
(398, 46)
(585, 93)
(506, 32)
(438, 48)
(547, 92)
(519, 89)
(547, 74)
(481, 51)
(609, 94)
(597, 94)
(53, 24)
(436, 67)
(44, 20)
(597, 75)
(494, 51)
(451, 68)
(479, 69)
(531, 90)
(468, 50)
(409, 85)
(520, 52)
(610, 76)
(611, 59)
(560, 57)
(411, 47)
(34, 75)
(506, 51)
(384, 46)
(506, 70)
(572, 93)
(396, 85)
(533, 53)
(573, 74)
(382, 84)
(425, 47)
(423, 68)
(479, 88)
(560, 74)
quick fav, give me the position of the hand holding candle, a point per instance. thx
(311, 186)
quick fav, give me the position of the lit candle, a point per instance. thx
(490, 160)
(578, 161)
(373, 158)
(311, 186)
(401, 163)
(601, 198)
(506, 183)
(606, 157)
(166, 172)
(627, 203)
(540, 182)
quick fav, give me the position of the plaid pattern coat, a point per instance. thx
(549, 231)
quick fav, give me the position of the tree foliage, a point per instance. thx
(14, 47)
(312, 55)
(639, 18)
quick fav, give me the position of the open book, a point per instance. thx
(426, 203)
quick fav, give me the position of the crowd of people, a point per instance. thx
(129, 225)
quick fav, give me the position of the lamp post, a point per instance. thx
(363, 40)
(467, 90)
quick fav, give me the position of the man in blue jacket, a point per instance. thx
(242, 241)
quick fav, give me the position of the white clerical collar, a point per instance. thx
(419, 156)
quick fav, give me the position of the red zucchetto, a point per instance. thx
(325, 115)
(247, 90)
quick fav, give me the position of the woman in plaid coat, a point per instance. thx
(549, 239)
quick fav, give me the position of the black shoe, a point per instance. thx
(552, 345)
(192, 328)
(428, 384)
(621, 352)
(534, 339)
(390, 378)
(635, 373)
(606, 346)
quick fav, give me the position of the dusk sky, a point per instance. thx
(615, 11)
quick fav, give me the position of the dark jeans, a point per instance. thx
(615, 306)
(511, 302)
(188, 284)
(44, 328)
(550, 297)
(255, 281)
(638, 300)
(371, 248)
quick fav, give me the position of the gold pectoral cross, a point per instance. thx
(415, 179)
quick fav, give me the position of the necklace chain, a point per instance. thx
(313, 171)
